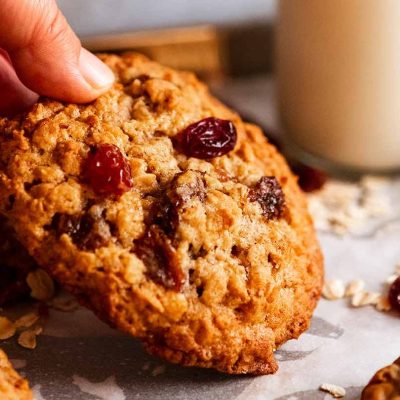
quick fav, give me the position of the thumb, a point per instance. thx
(47, 55)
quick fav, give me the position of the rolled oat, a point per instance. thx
(335, 390)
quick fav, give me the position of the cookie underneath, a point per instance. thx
(211, 262)
(12, 386)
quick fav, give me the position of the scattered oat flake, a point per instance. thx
(335, 390)
(353, 287)
(333, 289)
(7, 328)
(372, 182)
(27, 339)
(105, 390)
(346, 207)
(27, 320)
(365, 298)
(41, 285)
(158, 370)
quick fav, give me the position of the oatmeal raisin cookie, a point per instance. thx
(211, 259)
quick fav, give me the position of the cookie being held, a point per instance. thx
(167, 215)
(12, 386)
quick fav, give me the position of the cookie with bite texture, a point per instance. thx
(167, 215)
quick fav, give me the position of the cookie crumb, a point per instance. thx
(7, 328)
(335, 390)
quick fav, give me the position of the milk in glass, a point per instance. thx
(339, 80)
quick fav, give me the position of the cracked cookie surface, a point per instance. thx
(212, 263)
(12, 386)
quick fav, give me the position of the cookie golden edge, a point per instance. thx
(236, 351)
(12, 385)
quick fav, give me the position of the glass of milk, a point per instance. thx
(339, 81)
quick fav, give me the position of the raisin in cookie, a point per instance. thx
(385, 384)
(15, 264)
(167, 215)
(12, 386)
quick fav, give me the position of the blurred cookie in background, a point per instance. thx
(385, 384)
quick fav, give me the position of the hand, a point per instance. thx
(41, 55)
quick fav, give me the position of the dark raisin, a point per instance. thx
(184, 187)
(87, 231)
(310, 179)
(64, 223)
(107, 171)
(200, 290)
(142, 78)
(94, 233)
(394, 294)
(208, 138)
(159, 256)
(166, 215)
(269, 194)
(235, 251)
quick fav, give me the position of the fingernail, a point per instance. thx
(95, 72)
